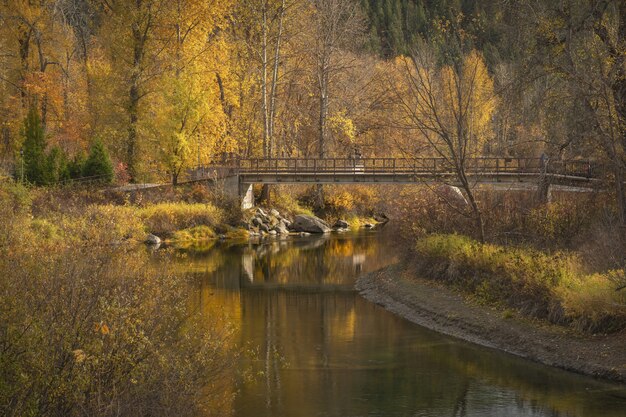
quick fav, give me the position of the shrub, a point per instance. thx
(286, 202)
(557, 223)
(166, 218)
(57, 169)
(106, 332)
(75, 166)
(197, 233)
(593, 302)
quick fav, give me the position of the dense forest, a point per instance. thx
(108, 106)
(163, 86)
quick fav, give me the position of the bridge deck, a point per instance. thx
(396, 170)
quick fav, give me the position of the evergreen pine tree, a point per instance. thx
(98, 164)
(75, 166)
(56, 166)
(34, 148)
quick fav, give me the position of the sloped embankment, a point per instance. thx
(398, 289)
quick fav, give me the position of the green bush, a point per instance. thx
(57, 169)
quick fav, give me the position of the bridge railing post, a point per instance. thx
(498, 169)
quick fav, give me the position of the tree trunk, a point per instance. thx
(264, 105)
(265, 194)
(620, 195)
(134, 97)
(132, 130)
(24, 43)
(323, 116)
(272, 109)
(318, 200)
(478, 217)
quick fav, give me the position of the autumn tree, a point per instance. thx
(580, 48)
(338, 25)
(191, 121)
(450, 109)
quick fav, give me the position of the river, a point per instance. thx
(319, 349)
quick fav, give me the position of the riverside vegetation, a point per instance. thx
(91, 328)
(561, 262)
(89, 325)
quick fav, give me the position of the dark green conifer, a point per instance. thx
(98, 165)
(34, 148)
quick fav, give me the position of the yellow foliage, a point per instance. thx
(534, 282)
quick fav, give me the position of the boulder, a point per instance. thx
(281, 229)
(262, 215)
(273, 221)
(153, 239)
(275, 213)
(272, 232)
(368, 225)
(256, 221)
(286, 223)
(341, 224)
(310, 224)
(264, 228)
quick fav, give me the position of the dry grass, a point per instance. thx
(549, 286)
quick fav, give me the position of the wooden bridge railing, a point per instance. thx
(428, 167)
(391, 166)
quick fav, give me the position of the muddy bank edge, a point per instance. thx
(397, 289)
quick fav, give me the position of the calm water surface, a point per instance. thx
(322, 350)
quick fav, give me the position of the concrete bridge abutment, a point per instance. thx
(236, 189)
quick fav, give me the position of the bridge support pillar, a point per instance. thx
(235, 189)
(246, 196)
(544, 192)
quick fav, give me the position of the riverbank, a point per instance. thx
(399, 289)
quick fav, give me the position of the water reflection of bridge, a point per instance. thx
(272, 266)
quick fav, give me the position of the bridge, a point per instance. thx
(242, 173)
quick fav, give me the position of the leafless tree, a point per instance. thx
(437, 104)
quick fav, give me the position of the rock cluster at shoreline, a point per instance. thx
(272, 223)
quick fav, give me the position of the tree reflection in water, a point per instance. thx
(323, 350)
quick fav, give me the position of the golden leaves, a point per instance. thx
(101, 328)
